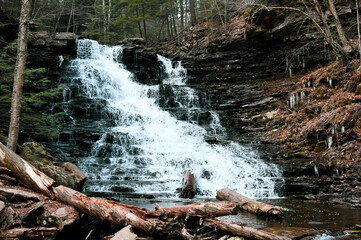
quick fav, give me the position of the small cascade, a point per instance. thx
(143, 138)
(61, 60)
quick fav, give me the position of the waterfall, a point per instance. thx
(148, 136)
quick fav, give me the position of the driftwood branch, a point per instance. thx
(248, 204)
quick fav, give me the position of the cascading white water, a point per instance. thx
(147, 150)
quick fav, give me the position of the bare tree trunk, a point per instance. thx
(341, 34)
(168, 28)
(144, 26)
(181, 14)
(225, 13)
(58, 20)
(192, 12)
(174, 24)
(109, 17)
(358, 28)
(70, 17)
(219, 12)
(104, 22)
(19, 74)
(139, 25)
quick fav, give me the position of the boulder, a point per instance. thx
(68, 174)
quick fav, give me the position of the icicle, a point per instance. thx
(316, 170)
(329, 141)
(297, 99)
(303, 96)
(329, 81)
(292, 101)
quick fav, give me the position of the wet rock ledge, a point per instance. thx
(45, 49)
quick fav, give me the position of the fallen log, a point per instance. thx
(31, 233)
(25, 172)
(189, 186)
(20, 193)
(243, 231)
(113, 212)
(202, 210)
(250, 205)
(141, 219)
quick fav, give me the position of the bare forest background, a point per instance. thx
(109, 21)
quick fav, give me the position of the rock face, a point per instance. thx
(8, 28)
(45, 50)
(141, 61)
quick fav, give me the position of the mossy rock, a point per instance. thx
(36, 154)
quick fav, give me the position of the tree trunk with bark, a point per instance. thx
(341, 34)
(248, 204)
(192, 12)
(19, 74)
(181, 14)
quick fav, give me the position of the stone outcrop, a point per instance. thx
(66, 174)
(45, 49)
(141, 61)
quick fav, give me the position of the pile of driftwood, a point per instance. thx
(194, 221)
